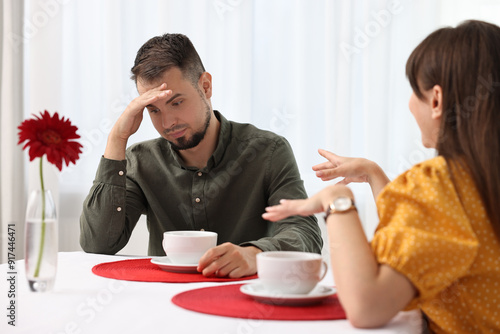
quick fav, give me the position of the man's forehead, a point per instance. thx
(173, 77)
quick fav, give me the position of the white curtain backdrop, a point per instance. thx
(12, 171)
(323, 73)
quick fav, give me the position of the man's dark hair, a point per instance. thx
(161, 53)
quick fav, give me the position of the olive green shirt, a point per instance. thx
(249, 170)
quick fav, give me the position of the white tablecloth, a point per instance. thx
(85, 303)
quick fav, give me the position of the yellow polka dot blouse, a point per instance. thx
(438, 235)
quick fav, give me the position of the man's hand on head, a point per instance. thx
(129, 121)
(229, 260)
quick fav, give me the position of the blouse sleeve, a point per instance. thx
(424, 232)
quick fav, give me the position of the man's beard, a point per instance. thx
(185, 144)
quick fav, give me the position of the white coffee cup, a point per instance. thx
(290, 272)
(187, 247)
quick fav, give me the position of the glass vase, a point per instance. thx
(41, 241)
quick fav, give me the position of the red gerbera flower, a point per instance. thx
(51, 136)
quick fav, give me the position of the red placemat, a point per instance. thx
(143, 270)
(229, 301)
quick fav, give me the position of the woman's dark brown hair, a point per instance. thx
(465, 62)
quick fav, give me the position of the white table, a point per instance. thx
(85, 303)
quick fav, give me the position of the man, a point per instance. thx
(203, 173)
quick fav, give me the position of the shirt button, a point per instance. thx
(120, 173)
(197, 200)
(200, 173)
(119, 209)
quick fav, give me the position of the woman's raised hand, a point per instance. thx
(306, 207)
(351, 170)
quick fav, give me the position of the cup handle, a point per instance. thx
(325, 270)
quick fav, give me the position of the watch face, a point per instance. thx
(342, 203)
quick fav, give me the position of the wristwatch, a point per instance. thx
(341, 204)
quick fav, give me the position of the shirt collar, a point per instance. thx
(224, 133)
(215, 159)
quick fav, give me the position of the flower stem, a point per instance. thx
(42, 238)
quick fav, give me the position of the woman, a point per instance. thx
(437, 244)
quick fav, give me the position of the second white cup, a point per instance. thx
(290, 272)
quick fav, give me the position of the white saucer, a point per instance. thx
(259, 293)
(166, 264)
